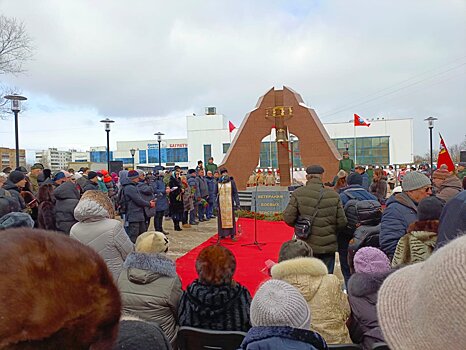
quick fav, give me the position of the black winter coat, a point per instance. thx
(14, 191)
(363, 324)
(90, 186)
(176, 199)
(223, 307)
(67, 197)
(135, 204)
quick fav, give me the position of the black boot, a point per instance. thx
(177, 226)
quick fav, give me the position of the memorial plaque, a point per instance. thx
(269, 201)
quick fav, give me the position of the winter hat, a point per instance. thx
(441, 174)
(58, 176)
(136, 334)
(423, 306)
(16, 176)
(191, 171)
(22, 169)
(295, 248)
(277, 303)
(16, 219)
(107, 179)
(37, 166)
(314, 169)
(94, 204)
(215, 265)
(429, 208)
(86, 313)
(371, 260)
(152, 242)
(132, 174)
(414, 181)
(103, 172)
(91, 175)
(341, 174)
(354, 179)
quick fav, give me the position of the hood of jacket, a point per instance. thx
(451, 182)
(9, 186)
(145, 268)
(366, 285)
(403, 199)
(90, 210)
(145, 188)
(123, 175)
(261, 334)
(211, 300)
(312, 267)
(66, 190)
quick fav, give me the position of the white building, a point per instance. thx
(54, 159)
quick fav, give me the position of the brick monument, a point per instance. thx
(286, 111)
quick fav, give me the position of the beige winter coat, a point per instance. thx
(449, 188)
(106, 236)
(328, 304)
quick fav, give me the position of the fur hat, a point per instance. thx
(277, 303)
(133, 174)
(94, 204)
(429, 208)
(354, 179)
(295, 248)
(60, 293)
(152, 242)
(16, 176)
(414, 180)
(423, 306)
(314, 169)
(371, 260)
(215, 265)
(16, 219)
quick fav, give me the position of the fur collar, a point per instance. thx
(365, 284)
(428, 225)
(156, 263)
(299, 266)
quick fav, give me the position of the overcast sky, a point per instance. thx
(147, 64)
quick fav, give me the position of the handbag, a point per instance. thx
(303, 226)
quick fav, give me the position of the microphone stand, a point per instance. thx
(255, 243)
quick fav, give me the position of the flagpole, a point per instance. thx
(354, 143)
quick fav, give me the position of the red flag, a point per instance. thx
(358, 121)
(231, 126)
(444, 156)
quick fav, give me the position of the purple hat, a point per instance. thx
(133, 174)
(371, 260)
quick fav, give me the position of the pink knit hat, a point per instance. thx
(423, 306)
(371, 260)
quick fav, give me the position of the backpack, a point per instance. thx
(8, 203)
(364, 212)
(121, 201)
(364, 236)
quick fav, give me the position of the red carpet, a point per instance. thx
(250, 260)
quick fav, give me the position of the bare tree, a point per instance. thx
(15, 46)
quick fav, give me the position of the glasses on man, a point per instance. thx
(428, 189)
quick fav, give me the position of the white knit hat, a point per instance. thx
(278, 303)
(423, 306)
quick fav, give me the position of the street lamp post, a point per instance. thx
(107, 123)
(16, 108)
(430, 123)
(159, 140)
(133, 152)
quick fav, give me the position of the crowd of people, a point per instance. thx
(95, 280)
